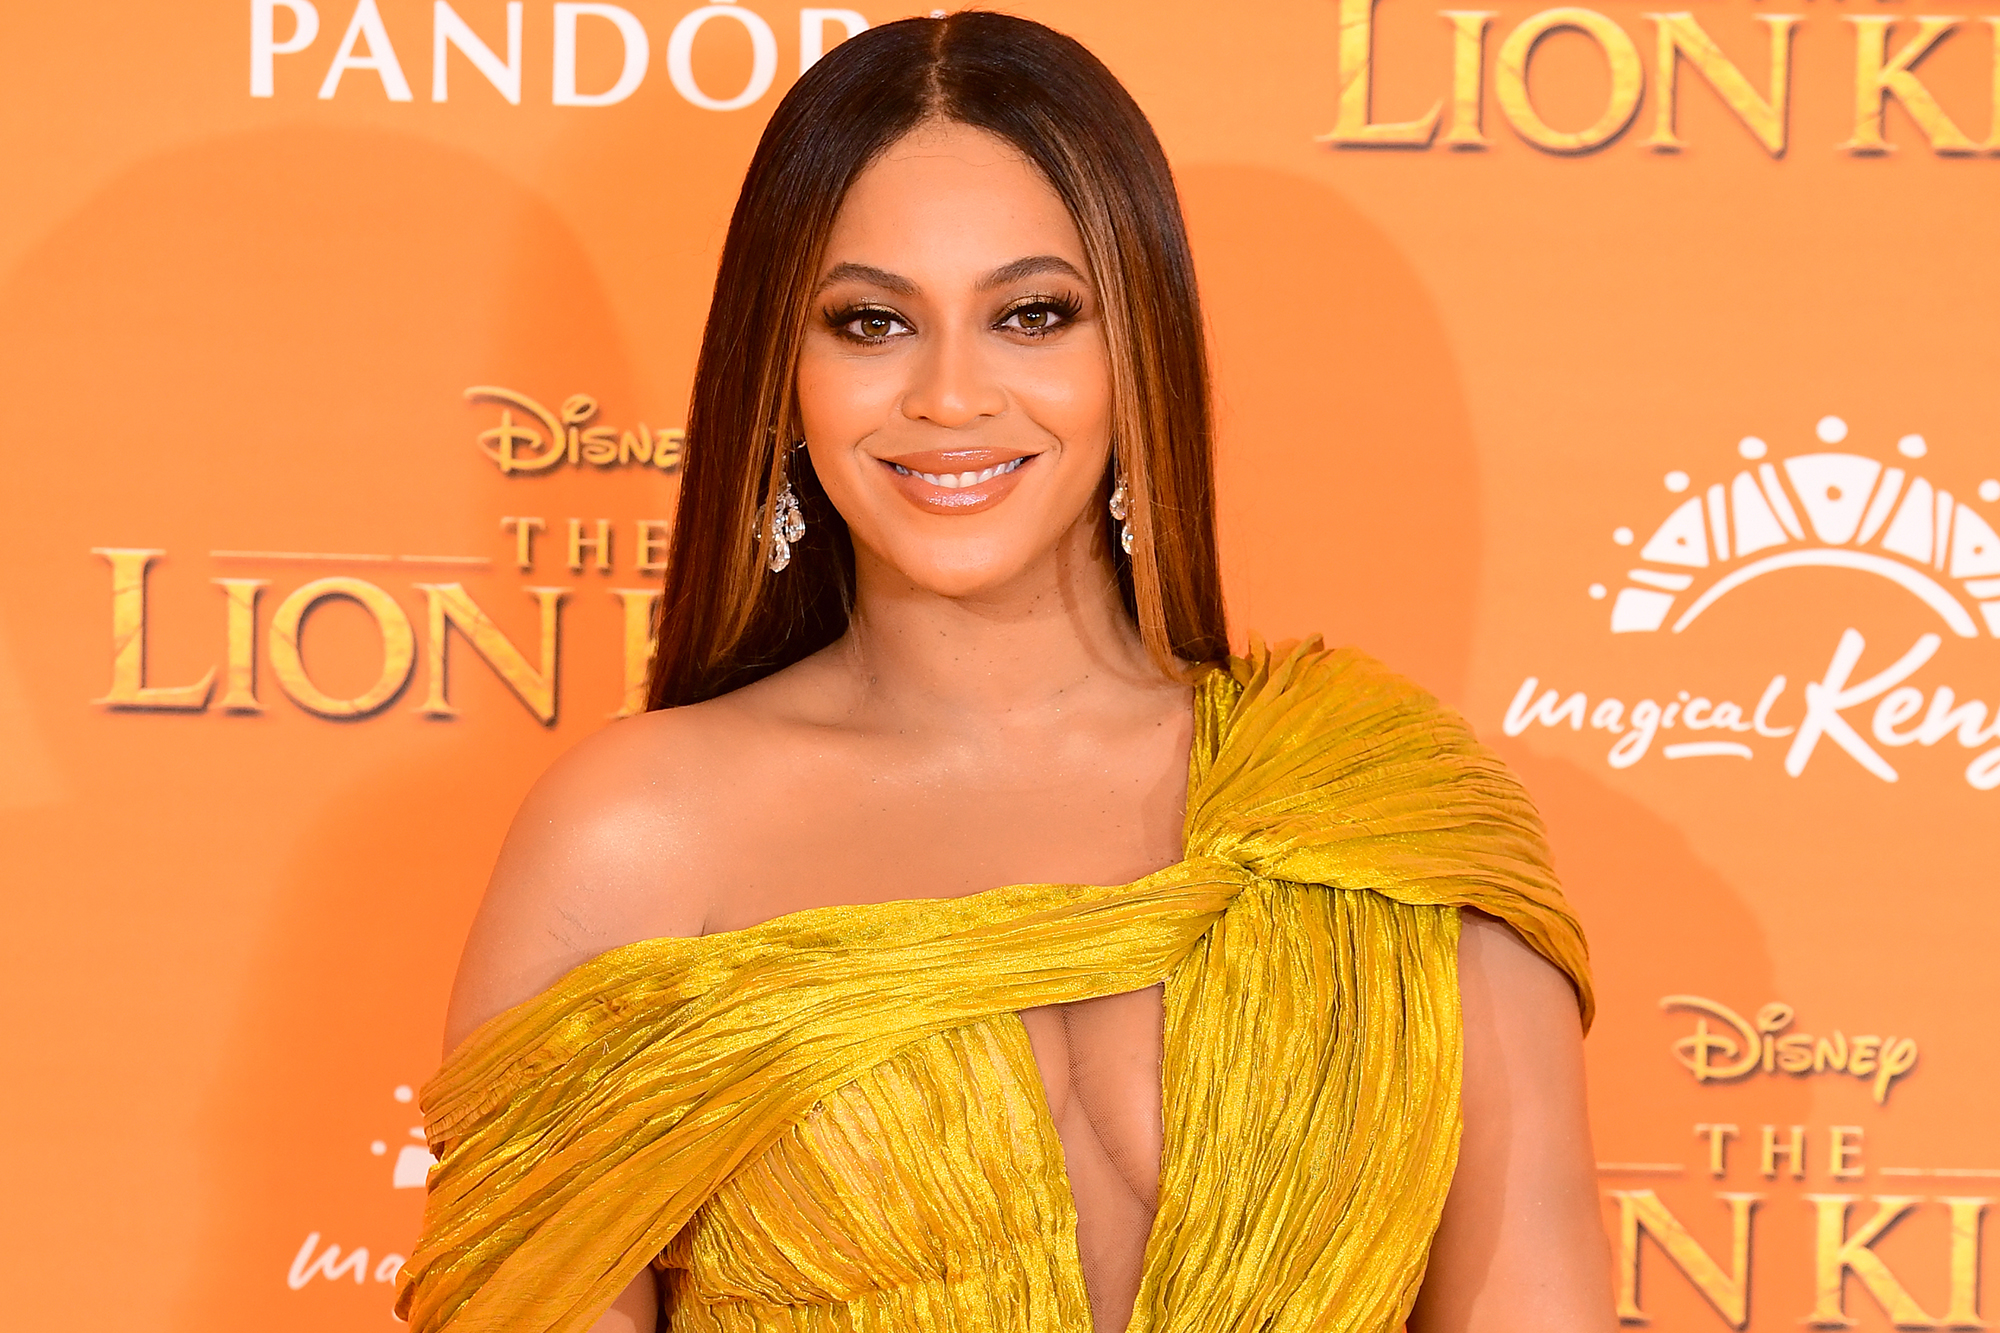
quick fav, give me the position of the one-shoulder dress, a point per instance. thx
(833, 1121)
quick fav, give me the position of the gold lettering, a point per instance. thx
(566, 435)
(1993, 133)
(451, 607)
(1898, 1059)
(651, 542)
(1718, 1146)
(1965, 1219)
(1794, 1152)
(1771, 1019)
(128, 640)
(1740, 1046)
(577, 410)
(640, 607)
(1879, 77)
(239, 693)
(1468, 77)
(1640, 1211)
(1843, 1152)
(288, 664)
(1837, 1253)
(1353, 125)
(1795, 1053)
(1697, 1052)
(524, 530)
(667, 447)
(1510, 80)
(518, 448)
(600, 545)
(1681, 38)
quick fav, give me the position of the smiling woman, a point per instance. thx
(1274, 1018)
(923, 148)
(948, 386)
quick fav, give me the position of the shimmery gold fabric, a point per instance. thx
(833, 1121)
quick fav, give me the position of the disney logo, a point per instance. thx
(566, 436)
(1740, 1047)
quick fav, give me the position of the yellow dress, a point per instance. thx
(833, 1121)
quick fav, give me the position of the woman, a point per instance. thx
(744, 1039)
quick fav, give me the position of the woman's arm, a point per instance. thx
(603, 852)
(606, 849)
(637, 1309)
(1521, 1248)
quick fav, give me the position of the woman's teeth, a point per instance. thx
(952, 481)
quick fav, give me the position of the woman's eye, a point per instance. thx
(872, 325)
(1041, 317)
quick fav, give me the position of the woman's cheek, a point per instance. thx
(842, 398)
(1070, 394)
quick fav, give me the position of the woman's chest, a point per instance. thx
(1063, 1103)
(933, 1180)
(870, 821)
(944, 1176)
(1099, 1063)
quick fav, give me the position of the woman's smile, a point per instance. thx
(956, 481)
(953, 363)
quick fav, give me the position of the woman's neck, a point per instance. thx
(1046, 642)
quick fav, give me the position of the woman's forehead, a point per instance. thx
(953, 198)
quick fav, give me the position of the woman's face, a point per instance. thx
(953, 383)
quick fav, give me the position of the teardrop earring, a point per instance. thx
(788, 521)
(1121, 510)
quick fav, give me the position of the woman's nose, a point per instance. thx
(952, 383)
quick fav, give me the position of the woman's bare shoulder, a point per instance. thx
(1521, 1244)
(609, 847)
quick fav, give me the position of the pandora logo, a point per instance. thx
(367, 53)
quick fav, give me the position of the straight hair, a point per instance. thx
(725, 619)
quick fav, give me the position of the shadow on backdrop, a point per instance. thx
(262, 343)
(1348, 474)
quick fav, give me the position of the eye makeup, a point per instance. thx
(864, 322)
(1034, 315)
(1041, 314)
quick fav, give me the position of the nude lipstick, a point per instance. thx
(957, 481)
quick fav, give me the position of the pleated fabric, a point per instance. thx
(834, 1121)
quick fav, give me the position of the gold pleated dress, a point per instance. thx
(833, 1121)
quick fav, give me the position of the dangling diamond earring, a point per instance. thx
(1121, 510)
(788, 523)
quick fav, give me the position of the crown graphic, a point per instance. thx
(1858, 514)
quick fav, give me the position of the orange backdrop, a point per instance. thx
(1626, 377)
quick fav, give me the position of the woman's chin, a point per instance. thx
(976, 572)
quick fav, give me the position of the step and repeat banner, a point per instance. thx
(1625, 375)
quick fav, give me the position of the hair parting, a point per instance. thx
(725, 620)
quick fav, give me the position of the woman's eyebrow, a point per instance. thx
(1028, 268)
(880, 277)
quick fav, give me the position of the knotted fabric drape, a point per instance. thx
(833, 1121)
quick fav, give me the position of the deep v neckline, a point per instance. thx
(1062, 1181)
(1339, 822)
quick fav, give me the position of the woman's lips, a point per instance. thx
(959, 480)
(956, 481)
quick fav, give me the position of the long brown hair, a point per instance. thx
(725, 619)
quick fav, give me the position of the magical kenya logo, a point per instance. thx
(1843, 510)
